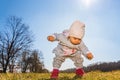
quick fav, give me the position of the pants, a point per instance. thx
(77, 59)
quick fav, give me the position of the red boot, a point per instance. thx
(80, 72)
(54, 74)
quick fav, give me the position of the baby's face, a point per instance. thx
(74, 40)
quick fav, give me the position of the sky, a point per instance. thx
(45, 17)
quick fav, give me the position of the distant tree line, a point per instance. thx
(102, 66)
(105, 66)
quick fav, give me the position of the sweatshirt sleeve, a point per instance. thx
(57, 36)
(84, 49)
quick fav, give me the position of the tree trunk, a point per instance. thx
(5, 67)
(4, 70)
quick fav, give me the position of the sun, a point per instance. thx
(88, 3)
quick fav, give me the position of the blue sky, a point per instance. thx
(102, 19)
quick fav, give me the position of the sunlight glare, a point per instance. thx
(88, 3)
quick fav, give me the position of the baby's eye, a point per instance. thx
(76, 38)
(79, 39)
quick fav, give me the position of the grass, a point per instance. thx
(94, 75)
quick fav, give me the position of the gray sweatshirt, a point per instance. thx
(66, 48)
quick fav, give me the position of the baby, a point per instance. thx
(70, 46)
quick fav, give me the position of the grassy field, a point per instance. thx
(95, 75)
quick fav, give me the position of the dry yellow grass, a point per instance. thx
(94, 75)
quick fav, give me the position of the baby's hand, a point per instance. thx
(89, 55)
(50, 38)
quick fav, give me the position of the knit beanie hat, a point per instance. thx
(77, 29)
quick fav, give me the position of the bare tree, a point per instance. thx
(25, 60)
(31, 60)
(13, 40)
(35, 63)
